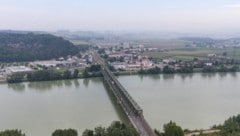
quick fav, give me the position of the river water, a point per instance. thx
(191, 100)
(39, 108)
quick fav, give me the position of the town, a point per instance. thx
(124, 58)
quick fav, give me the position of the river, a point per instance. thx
(39, 108)
(192, 100)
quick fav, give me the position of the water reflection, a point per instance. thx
(44, 85)
(96, 80)
(58, 83)
(234, 74)
(141, 77)
(76, 83)
(68, 83)
(184, 76)
(168, 76)
(222, 75)
(208, 75)
(153, 77)
(18, 87)
(86, 82)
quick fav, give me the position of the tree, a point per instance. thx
(185, 69)
(111, 68)
(235, 68)
(100, 131)
(209, 69)
(224, 54)
(12, 133)
(231, 126)
(75, 73)
(65, 132)
(44, 75)
(85, 73)
(94, 68)
(195, 59)
(101, 51)
(223, 69)
(168, 70)
(67, 74)
(115, 129)
(121, 59)
(171, 129)
(88, 133)
(155, 70)
(119, 129)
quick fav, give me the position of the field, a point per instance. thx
(186, 54)
(165, 44)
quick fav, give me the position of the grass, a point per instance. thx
(189, 54)
(81, 70)
(61, 70)
(166, 44)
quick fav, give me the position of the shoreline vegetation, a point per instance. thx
(94, 71)
(230, 127)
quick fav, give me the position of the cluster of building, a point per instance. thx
(133, 59)
(71, 62)
(129, 59)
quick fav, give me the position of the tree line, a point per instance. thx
(189, 69)
(47, 75)
(42, 75)
(115, 129)
(231, 127)
(167, 70)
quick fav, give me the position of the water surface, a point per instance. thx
(39, 108)
(192, 100)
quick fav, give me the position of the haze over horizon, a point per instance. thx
(185, 16)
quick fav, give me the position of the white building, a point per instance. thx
(119, 65)
(18, 69)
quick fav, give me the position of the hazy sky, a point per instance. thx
(123, 15)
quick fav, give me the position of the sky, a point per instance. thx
(121, 15)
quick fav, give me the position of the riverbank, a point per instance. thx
(119, 73)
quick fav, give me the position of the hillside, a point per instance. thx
(15, 47)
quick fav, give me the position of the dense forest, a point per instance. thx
(28, 47)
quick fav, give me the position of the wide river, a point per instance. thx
(192, 100)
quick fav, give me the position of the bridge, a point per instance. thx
(133, 111)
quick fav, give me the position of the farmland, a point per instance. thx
(188, 54)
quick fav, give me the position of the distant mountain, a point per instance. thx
(15, 47)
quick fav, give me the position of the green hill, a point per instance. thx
(15, 47)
